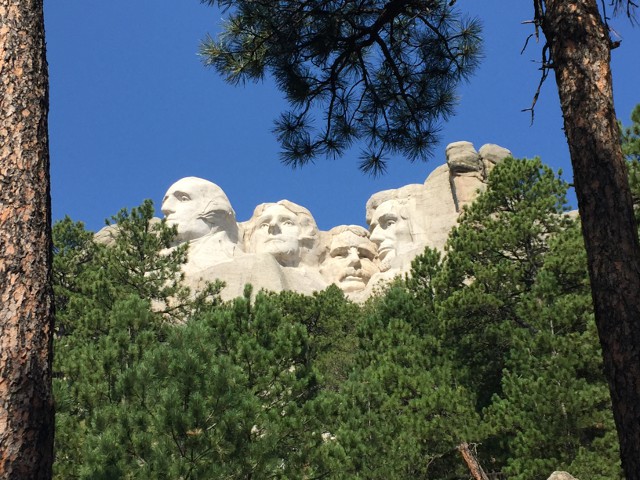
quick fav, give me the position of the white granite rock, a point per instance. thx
(106, 235)
(466, 173)
(281, 248)
(285, 230)
(350, 259)
(493, 153)
(558, 475)
(462, 157)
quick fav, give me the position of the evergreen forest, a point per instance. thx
(491, 343)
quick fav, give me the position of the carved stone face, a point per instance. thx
(198, 208)
(350, 263)
(277, 232)
(389, 231)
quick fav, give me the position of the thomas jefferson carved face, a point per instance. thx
(198, 208)
(277, 232)
(350, 261)
(390, 230)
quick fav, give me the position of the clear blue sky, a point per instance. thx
(133, 110)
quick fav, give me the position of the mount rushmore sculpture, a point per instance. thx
(281, 248)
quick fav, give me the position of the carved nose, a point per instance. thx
(376, 235)
(166, 209)
(354, 258)
(274, 228)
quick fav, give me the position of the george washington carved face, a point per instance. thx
(198, 208)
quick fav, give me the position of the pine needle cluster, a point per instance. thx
(380, 72)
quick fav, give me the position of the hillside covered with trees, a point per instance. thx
(492, 343)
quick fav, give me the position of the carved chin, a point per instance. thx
(385, 264)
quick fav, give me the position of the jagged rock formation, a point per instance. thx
(557, 475)
(280, 246)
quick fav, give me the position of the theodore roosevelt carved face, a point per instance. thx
(283, 229)
(198, 208)
(350, 258)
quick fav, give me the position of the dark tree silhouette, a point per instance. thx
(380, 72)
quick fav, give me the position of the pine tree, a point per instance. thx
(631, 137)
(105, 320)
(73, 253)
(493, 258)
(153, 382)
(631, 149)
(515, 316)
(402, 413)
(230, 394)
(331, 321)
(554, 411)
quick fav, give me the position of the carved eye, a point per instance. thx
(287, 222)
(363, 253)
(264, 226)
(182, 197)
(390, 222)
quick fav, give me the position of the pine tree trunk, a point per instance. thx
(26, 406)
(472, 462)
(580, 53)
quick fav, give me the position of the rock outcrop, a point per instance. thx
(557, 475)
(280, 246)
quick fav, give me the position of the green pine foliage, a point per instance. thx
(493, 258)
(631, 136)
(106, 323)
(402, 412)
(73, 252)
(331, 321)
(144, 393)
(554, 409)
(492, 343)
(229, 395)
(514, 315)
(631, 148)
(383, 72)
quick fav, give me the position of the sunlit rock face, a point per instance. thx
(281, 248)
(466, 173)
(399, 228)
(200, 208)
(350, 259)
(203, 215)
(285, 230)
(558, 475)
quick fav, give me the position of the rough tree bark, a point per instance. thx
(472, 462)
(579, 46)
(26, 406)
